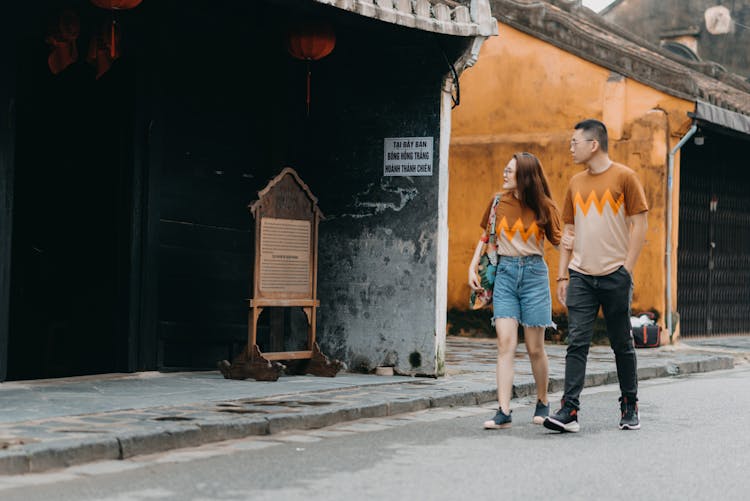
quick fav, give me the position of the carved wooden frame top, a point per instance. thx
(286, 241)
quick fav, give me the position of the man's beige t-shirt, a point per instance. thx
(599, 206)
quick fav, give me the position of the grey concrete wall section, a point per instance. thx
(377, 253)
(377, 268)
(379, 301)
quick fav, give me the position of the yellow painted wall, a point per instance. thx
(525, 95)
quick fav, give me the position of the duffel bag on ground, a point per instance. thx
(647, 336)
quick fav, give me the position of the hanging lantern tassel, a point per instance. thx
(112, 41)
(311, 42)
(309, 74)
(98, 53)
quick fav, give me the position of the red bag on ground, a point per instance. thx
(647, 336)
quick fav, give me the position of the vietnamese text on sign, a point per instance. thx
(285, 255)
(407, 156)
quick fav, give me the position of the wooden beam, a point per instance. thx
(7, 169)
(262, 302)
(288, 355)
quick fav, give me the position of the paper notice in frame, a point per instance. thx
(285, 255)
(407, 156)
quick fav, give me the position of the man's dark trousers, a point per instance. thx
(586, 294)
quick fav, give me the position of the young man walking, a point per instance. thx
(605, 214)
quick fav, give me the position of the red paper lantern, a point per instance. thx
(116, 4)
(311, 42)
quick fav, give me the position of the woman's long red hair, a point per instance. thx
(533, 188)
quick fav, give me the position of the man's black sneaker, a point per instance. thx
(500, 421)
(629, 420)
(566, 419)
(541, 412)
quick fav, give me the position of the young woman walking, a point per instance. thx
(524, 216)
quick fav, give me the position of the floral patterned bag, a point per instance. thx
(487, 264)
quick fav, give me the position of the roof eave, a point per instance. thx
(435, 17)
(589, 38)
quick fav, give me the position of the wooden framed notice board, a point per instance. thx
(286, 217)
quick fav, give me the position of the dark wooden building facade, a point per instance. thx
(123, 222)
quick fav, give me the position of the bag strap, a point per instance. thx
(491, 220)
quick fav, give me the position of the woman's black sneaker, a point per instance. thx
(630, 419)
(566, 419)
(500, 421)
(541, 412)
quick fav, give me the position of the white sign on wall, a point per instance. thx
(407, 156)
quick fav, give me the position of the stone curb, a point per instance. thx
(149, 439)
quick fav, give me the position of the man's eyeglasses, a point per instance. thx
(574, 143)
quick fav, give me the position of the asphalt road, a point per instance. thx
(693, 445)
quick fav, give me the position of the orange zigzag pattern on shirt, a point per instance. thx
(599, 204)
(517, 227)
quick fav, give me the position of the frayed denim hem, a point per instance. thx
(492, 322)
(553, 324)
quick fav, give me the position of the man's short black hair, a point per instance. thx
(597, 130)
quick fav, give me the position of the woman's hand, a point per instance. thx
(474, 281)
(568, 238)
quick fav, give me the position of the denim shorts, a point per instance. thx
(522, 291)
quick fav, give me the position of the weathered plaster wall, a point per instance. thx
(378, 244)
(377, 265)
(377, 262)
(525, 94)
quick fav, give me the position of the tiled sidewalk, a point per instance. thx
(56, 423)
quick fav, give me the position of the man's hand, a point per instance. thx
(638, 230)
(566, 253)
(562, 292)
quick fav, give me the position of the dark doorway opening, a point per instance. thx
(713, 278)
(72, 213)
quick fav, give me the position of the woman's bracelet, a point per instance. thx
(562, 279)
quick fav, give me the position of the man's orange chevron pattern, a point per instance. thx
(599, 204)
(510, 231)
